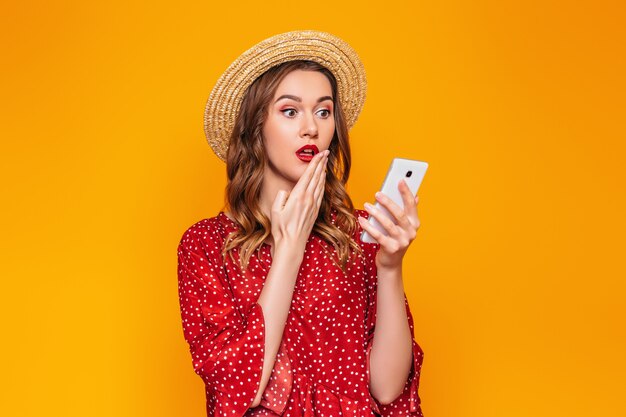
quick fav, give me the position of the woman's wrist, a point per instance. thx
(394, 269)
(288, 250)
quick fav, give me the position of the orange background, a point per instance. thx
(516, 279)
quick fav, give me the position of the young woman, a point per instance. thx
(285, 310)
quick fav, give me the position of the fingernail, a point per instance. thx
(368, 206)
(378, 194)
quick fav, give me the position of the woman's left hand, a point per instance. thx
(399, 235)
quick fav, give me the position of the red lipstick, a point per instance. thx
(307, 152)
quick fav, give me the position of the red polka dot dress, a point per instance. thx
(322, 366)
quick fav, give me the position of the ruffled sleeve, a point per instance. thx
(408, 403)
(279, 387)
(226, 341)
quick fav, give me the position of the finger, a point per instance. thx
(304, 180)
(407, 195)
(279, 201)
(319, 190)
(378, 236)
(390, 227)
(308, 174)
(395, 210)
(317, 175)
(410, 201)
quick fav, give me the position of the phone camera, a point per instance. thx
(409, 173)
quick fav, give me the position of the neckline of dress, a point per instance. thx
(234, 223)
(231, 221)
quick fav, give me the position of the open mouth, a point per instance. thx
(307, 152)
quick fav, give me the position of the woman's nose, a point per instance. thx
(309, 126)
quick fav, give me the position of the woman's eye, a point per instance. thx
(289, 114)
(325, 112)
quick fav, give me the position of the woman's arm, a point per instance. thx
(292, 221)
(391, 356)
(275, 300)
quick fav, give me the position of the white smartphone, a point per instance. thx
(413, 173)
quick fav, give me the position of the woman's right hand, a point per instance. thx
(293, 216)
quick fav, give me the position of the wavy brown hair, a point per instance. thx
(246, 159)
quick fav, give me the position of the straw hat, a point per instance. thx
(323, 48)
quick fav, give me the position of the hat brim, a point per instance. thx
(323, 48)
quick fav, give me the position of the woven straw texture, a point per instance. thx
(323, 48)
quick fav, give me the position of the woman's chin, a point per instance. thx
(289, 174)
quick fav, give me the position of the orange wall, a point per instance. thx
(514, 280)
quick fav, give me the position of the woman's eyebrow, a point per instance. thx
(299, 100)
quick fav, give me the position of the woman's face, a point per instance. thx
(300, 113)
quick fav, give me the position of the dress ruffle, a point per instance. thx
(280, 385)
(308, 398)
(311, 399)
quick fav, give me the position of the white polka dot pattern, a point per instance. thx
(322, 366)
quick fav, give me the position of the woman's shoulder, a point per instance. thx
(368, 248)
(355, 212)
(210, 231)
(359, 213)
(356, 232)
